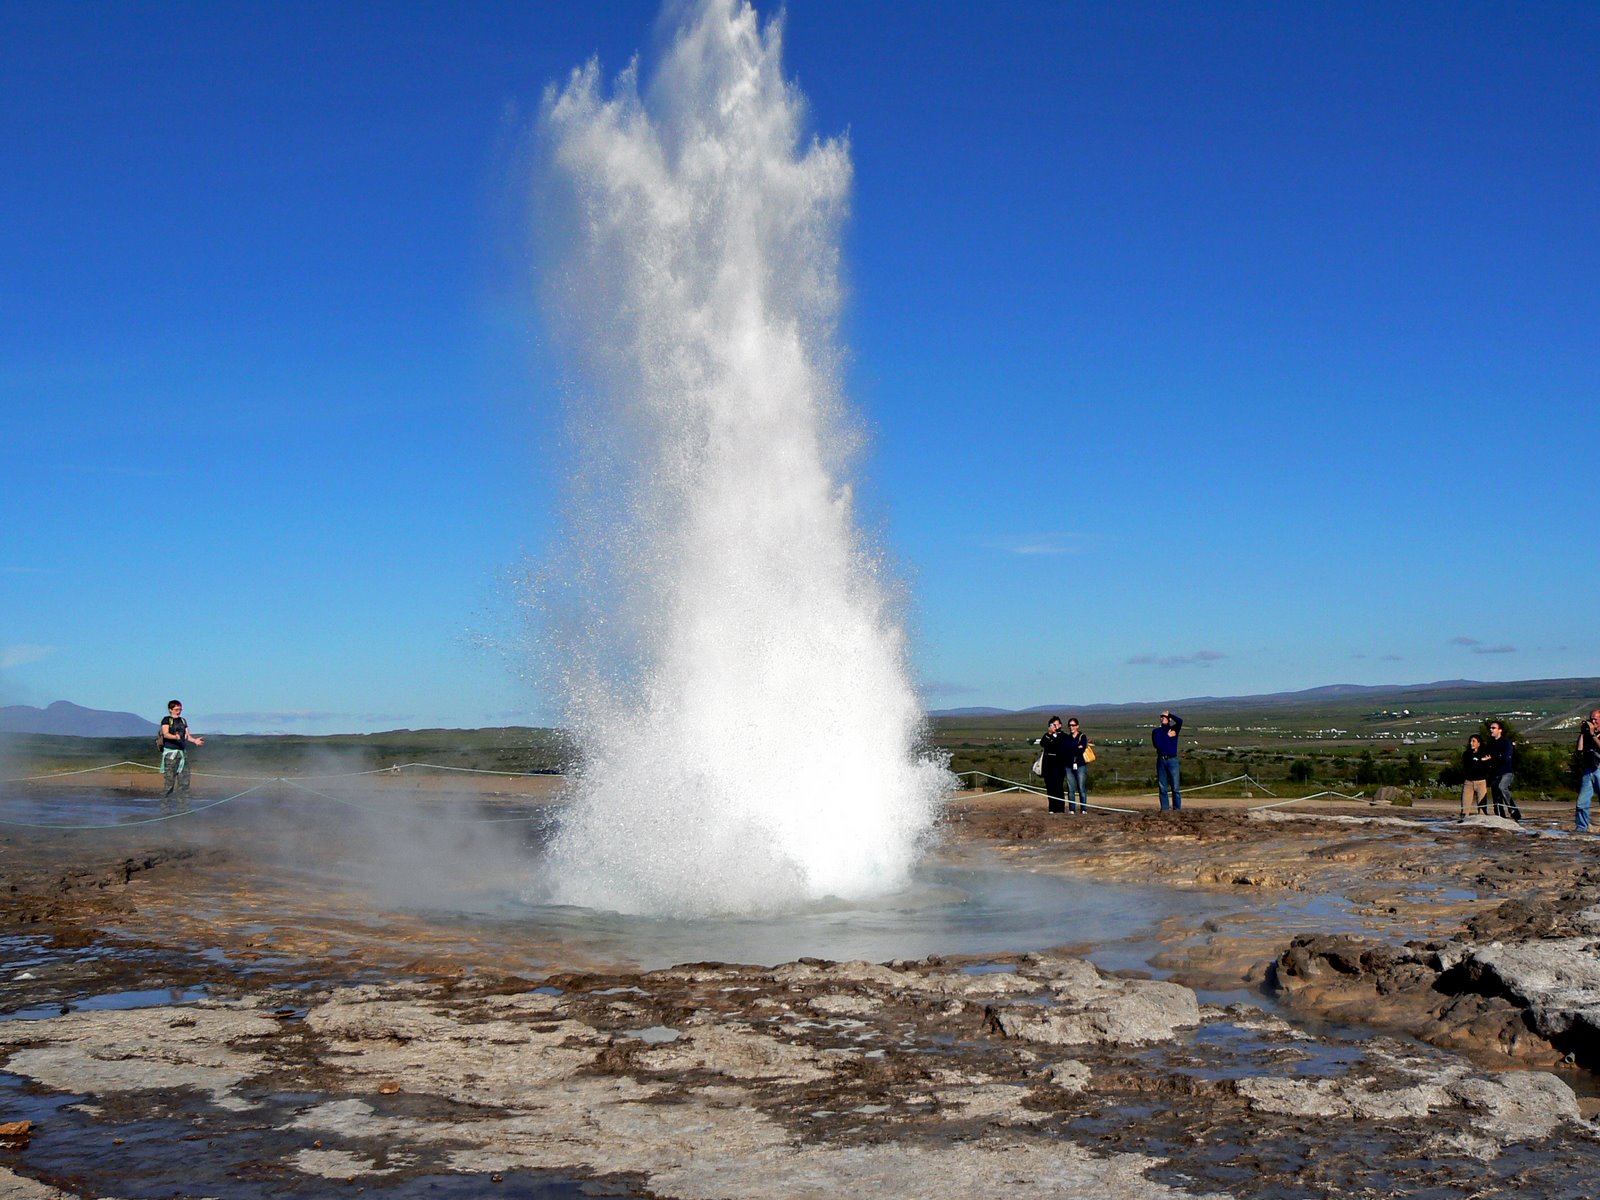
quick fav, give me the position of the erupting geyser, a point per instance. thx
(733, 664)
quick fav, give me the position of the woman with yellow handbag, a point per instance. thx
(1079, 755)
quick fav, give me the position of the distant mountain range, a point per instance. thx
(73, 720)
(1444, 689)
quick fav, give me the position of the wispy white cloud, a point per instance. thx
(1040, 543)
(1478, 647)
(1200, 658)
(118, 470)
(299, 716)
(20, 654)
(940, 690)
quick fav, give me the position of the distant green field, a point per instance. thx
(1302, 743)
(507, 749)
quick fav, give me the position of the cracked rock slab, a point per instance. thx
(1131, 1012)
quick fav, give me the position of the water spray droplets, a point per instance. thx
(750, 733)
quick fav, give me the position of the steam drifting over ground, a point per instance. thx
(733, 664)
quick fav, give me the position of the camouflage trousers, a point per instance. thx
(175, 774)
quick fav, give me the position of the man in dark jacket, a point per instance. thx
(1501, 772)
(1164, 737)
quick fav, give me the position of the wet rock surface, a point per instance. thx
(231, 1030)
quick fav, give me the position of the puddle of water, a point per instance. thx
(68, 807)
(1236, 1052)
(199, 1150)
(656, 1035)
(109, 1001)
(20, 954)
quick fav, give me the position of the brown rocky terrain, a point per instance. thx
(1363, 1004)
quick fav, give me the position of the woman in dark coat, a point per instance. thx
(1474, 775)
(1053, 765)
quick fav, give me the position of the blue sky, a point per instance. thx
(1204, 348)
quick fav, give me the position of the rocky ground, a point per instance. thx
(1381, 1006)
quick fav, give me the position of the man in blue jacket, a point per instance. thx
(1164, 737)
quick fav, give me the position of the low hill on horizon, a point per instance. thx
(1536, 704)
(63, 718)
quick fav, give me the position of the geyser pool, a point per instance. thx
(733, 664)
(380, 861)
(942, 909)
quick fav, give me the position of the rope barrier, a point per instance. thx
(85, 771)
(1033, 791)
(391, 770)
(1256, 783)
(1297, 799)
(1200, 787)
(261, 781)
(398, 767)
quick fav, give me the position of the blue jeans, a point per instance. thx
(1077, 783)
(1588, 789)
(1504, 805)
(1167, 782)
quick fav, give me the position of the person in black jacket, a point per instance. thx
(1502, 772)
(1053, 752)
(1475, 762)
(174, 740)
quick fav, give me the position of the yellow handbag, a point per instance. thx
(1088, 753)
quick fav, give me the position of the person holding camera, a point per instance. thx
(1589, 766)
(1164, 737)
(1053, 764)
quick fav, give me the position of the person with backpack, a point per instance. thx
(174, 739)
